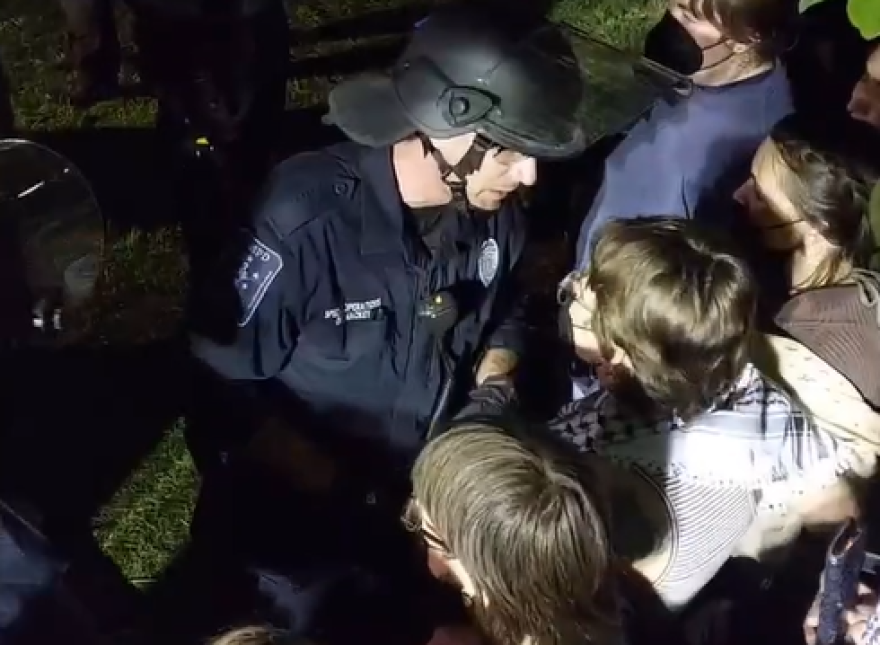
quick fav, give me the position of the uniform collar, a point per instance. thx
(384, 230)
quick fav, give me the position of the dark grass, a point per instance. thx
(145, 522)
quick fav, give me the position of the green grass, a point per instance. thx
(147, 520)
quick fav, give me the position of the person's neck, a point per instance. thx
(418, 179)
(802, 271)
(733, 70)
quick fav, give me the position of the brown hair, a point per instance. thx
(525, 523)
(766, 24)
(832, 173)
(678, 302)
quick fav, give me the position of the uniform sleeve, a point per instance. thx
(254, 308)
(508, 323)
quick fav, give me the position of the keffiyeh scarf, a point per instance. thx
(754, 437)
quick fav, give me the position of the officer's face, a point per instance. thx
(501, 173)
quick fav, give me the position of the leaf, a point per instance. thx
(865, 16)
(803, 5)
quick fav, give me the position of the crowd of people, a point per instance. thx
(368, 469)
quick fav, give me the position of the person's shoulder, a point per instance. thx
(778, 92)
(307, 188)
(749, 107)
(762, 400)
(759, 103)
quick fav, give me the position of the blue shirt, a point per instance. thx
(684, 152)
(329, 282)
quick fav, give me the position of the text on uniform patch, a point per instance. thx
(367, 310)
(259, 268)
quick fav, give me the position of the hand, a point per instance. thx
(496, 362)
(856, 620)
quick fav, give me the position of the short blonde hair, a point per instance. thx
(678, 302)
(526, 523)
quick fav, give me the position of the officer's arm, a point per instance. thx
(507, 336)
(249, 327)
(263, 300)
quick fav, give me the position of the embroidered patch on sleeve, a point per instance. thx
(258, 270)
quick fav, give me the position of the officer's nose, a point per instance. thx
(526, 171)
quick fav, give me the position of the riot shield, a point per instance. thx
(52, 234)
(621, 86)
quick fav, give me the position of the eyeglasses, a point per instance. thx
(567, 291)
(414, 523)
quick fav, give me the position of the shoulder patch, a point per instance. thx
(258, 270)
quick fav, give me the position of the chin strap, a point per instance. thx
(455, 175)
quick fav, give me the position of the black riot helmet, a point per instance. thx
(511, 79)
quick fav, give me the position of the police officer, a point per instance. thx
(379, 271)
(352, 244)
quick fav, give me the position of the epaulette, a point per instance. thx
(307, 187)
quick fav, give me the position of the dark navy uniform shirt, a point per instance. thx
(329, 287)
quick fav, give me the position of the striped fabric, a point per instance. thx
(711, 471)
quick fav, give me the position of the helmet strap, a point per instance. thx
(455, 175)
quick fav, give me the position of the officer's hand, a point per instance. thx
(292, 456)
(496, 363)
(496, 397)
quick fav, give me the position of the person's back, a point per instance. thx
(684, 151)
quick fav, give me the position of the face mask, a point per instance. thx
(670, 45)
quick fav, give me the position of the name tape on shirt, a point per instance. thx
(367, 310)
(258, 270)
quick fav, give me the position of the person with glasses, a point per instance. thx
(660, 326)
(521, 530)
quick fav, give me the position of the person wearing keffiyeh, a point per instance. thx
(688, 432)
